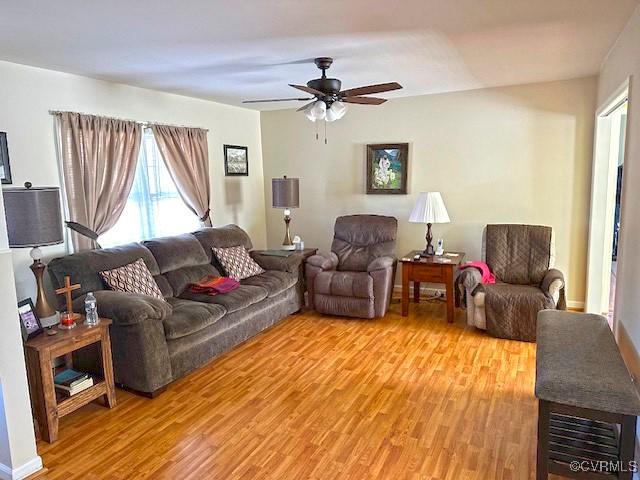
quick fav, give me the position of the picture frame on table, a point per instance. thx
(29, 321)
(236, 161)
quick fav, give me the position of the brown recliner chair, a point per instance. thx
(356, 278)
(522, 258)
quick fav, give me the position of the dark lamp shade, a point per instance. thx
(285, 192)
(33, 216)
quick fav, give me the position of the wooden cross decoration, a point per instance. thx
(66, 291)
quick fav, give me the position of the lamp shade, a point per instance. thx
(429, 208)
(285, 192)
(33, 216)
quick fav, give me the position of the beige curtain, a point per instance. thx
(186, 154)
(98, 157)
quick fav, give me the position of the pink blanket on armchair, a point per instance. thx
(487, 276)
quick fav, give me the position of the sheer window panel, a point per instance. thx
(154, 207)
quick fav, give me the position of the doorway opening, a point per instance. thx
(606, 205)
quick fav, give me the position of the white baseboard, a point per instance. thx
(23, 471)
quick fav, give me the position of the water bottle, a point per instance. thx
(91, 310)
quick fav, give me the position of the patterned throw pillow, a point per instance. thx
(134, 277)
(237, 262)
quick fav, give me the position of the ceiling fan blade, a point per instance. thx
(364, 100)
(310, 90)
(369, 89)
(277, 100)
(304, 107)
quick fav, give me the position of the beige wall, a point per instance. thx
(27, 94)
(622, 62)
(18, 455)
(514, 154)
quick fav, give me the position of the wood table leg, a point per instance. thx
(542, 464)
(416, 292)
(627, 446)
(405, 289)
(107, 365)
(49, 424)
(448, 280)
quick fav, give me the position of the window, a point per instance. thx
(154, 207)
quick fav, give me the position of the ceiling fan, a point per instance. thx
(328, 101)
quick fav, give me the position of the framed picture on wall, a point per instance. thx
(5, 168)
(387, 166)
(236, 160)
(29, 321)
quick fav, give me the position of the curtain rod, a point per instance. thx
(145, 124)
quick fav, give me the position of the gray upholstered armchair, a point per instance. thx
(356, 278)
(521, 257)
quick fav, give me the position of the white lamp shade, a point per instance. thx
(336, 112)
(309, 113)
(429, 208)
(318, 110)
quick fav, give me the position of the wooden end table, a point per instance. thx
(40, 352)
(433, 269)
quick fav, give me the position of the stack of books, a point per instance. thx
(69, 382)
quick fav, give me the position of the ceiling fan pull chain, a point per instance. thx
(317, 138)
(325, 132)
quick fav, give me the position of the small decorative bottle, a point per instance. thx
(91, 310)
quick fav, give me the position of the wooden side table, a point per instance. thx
(434, 269)
(40, 352)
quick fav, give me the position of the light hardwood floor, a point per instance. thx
(325, 398)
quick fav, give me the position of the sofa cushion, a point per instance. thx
(181, 278)
(178, 251)
(85, 267)
(133, 277)
(222, 237)
(189, 317)
(273, 281)
(240, 298)
(344, 284)
(237, 262)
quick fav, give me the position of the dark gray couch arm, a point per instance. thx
(126, 308)
(289, 264)
(139, 346)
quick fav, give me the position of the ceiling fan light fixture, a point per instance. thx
(336, 111)
(309, 114)
(318, 111)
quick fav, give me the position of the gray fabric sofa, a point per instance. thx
(154, 342)
(356, 278)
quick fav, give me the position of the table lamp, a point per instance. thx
(286, 194)
(34, 220)
(429, 208)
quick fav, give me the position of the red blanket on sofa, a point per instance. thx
(211, 285)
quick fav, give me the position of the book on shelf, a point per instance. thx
(77, 388)
(71, 381)
(70, 377)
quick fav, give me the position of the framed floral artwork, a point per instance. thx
(387, 166)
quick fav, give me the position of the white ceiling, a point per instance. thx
(247, 49)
